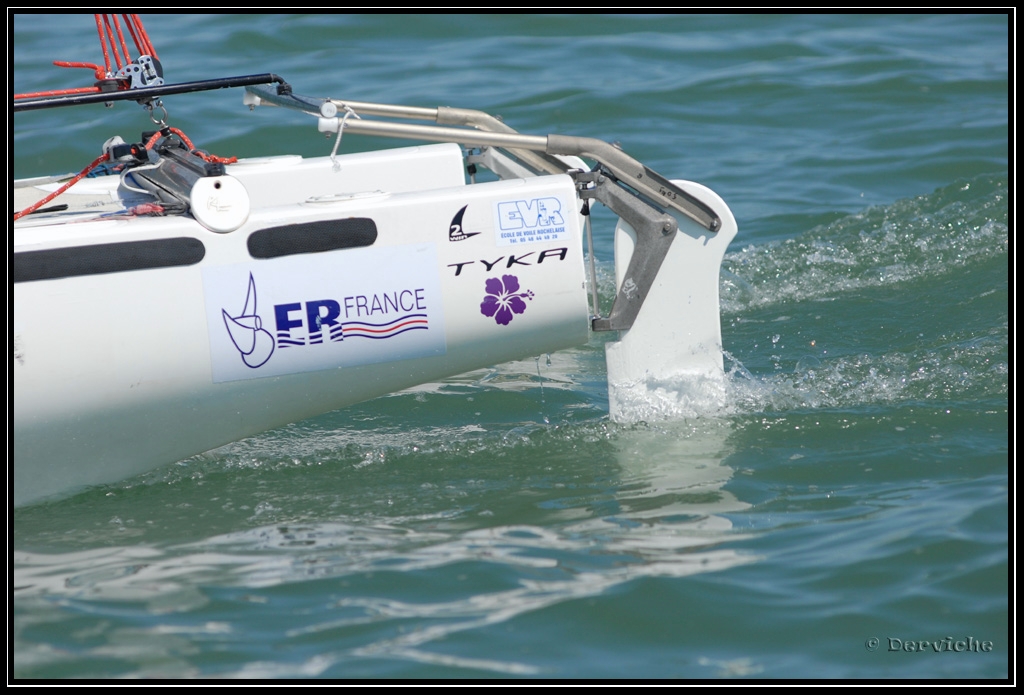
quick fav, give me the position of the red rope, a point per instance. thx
(140, 44)
(138, 32)
(202, 155)
(106, 26)
(97, 69)
(120, 36)
(145, 36)
(109, 36)
(103, 45)
(58, 93)
(81, 175)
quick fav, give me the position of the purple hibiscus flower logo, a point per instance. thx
(503, 299)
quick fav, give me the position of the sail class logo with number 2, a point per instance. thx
(456, 232)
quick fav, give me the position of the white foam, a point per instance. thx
(674, 397)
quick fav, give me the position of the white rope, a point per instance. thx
(127, 172)
(341, 129)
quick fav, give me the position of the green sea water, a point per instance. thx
(845, 514)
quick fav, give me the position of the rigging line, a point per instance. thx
(81, 175)
(120, 36)
(146, 45)
(103, 45)
(109, 37)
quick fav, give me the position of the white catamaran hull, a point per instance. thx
(120, 368)
(280, 288)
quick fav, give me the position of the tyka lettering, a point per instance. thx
(513, 259)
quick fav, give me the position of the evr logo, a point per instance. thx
(530, 214)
